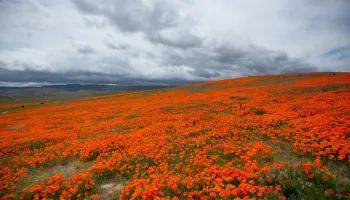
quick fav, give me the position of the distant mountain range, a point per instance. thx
(63, 93)
(78, 87)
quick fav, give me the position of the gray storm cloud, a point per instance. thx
(169, 42)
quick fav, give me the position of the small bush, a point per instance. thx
(259, 111)
(243, 98)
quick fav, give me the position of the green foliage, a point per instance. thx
(258, 111)
(132, 116)
(297, 184)
(243, 98)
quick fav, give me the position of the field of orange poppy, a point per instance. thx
(262, 137)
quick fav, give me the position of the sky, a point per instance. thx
(160, 42)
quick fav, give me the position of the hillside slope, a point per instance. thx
(273, 137)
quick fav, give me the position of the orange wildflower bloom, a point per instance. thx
(202, 141)
(325, 178)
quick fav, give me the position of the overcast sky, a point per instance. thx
(169, 42)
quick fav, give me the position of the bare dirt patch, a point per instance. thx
(112, 190)
(17, 127)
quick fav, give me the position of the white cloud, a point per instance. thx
(160, 41)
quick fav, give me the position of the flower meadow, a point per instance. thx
(264, 137)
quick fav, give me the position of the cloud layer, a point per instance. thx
(169, 42)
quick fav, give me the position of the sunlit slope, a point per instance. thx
(277, 136)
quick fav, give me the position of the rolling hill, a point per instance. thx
(262, 137)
